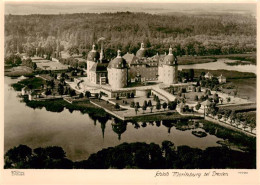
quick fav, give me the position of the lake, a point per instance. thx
(78, 134)
(220, 64)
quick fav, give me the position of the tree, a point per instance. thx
(47, 92)
(34, 66)
(221, 100)
(172, 105)
(72, 92)
(151, 108)
(227, 114)
(228, 99)
(81, 95)
(197, 107)
(117, 106)
(191, 74)
(137, 104)
(196, 98)
(149, 103)
(219, 116)
(132, 104)
(60, 89)
(148, 94)
(18, 157)
(164, 105)
(99, 96)
(145, 103)
(158, 105)
(87, 94)
(136, 109)
(252, 124)
(132, 95)
(144, 107)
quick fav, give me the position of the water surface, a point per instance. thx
(77, 133)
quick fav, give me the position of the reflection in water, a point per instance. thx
(158, 123)
(118, 127)
(168, 124)
(77, 133)
(144, 124)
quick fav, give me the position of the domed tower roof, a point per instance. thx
(93, 55)
(141, 52)
(170, 59)
(118, 62)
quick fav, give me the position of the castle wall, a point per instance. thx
(170, 74)
(117, 78)
(160, 73)
(89, 66)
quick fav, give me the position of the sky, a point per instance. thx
(153, 6)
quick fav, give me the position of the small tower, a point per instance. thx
(141, 52)
(92, 58)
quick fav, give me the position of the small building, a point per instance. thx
(208, 75)
(33, 95)
(26, 91)
(98, 73)
(222, 79)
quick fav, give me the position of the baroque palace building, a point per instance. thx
(131, 68)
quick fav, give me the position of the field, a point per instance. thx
(228, 74)
(246, 88)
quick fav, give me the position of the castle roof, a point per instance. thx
(170, 59)
(99, 67)
(93, 55)
(130, 58)
(118, 62)
(141, 52)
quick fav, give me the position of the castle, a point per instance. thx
(122, 70)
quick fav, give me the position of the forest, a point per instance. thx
(132, 156)
(207, 34)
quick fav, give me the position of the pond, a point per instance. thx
(221, 64)
(78, 134)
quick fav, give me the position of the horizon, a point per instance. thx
(28, 8)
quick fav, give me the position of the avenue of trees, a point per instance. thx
(75, 33)
(132, 155)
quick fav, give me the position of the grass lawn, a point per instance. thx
(246, 88)
(136, 99)
(18, 71)
(167, 116)
(239, 108)
(191, 95)
(106, 105)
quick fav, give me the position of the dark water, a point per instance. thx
(78, 134)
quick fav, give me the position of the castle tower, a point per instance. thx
(141, 52)
(117, 72)
(168, 70)
(92, 58)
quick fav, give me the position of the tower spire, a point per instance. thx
(118, 53)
